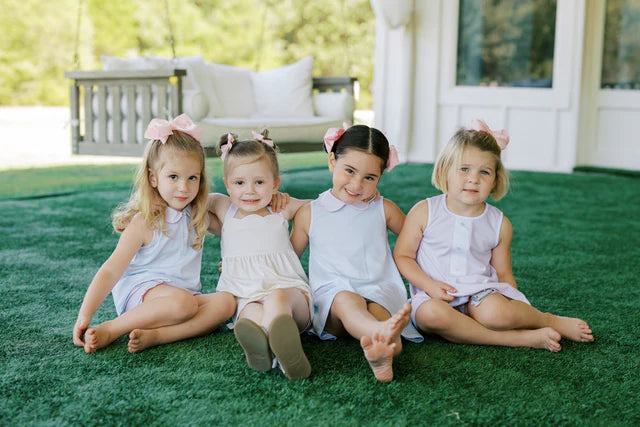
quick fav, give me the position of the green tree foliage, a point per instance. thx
(258, 34)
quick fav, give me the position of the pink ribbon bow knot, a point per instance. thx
(334, 134)
(501, 136)
(259, 137)
(393, 159)
(224, 150)
(160, 129)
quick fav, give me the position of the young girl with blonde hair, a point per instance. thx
(259, 266)
(154, 271)
(455, 250)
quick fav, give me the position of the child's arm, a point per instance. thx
(300, 232)
(407, 248)
(395, 216)
(215, 226)
(501, 254)
(291, 209)
(133, 237)
(218, 204)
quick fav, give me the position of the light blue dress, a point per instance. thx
(349, 251)
(169, 258)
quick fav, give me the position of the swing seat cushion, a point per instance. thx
(222, 98)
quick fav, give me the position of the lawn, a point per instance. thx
(575, 252)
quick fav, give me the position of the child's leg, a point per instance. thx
(283, 313)
(291, 301)
(438, 317)
(213, 309)
(351, 312)
(378, 338)
(162, 305)
(286, 313)
(499, 313)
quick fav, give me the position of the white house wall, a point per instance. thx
(544, 124)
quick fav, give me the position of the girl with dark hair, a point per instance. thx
(357, 289)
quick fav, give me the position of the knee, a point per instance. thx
(185, 306)
(434, 315)
(280, 295)
(228, 303)
(493, 319)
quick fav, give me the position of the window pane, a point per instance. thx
(506, 43)
(621, 51)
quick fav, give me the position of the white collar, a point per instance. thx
(173, 216)
(332, 203)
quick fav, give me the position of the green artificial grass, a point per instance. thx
(575, 252)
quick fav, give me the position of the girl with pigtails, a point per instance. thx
(259, 267)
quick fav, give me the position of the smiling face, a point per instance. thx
(251, 186)
(471, 182)
(178, 177)
(355, 175)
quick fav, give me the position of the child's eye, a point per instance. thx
(486, 173)
(464, 169)
(174, 177)
(370, 178)
(239, 182)
(259, 182)
(349, 171)
(193, 178)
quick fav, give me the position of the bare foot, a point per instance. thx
(379, 353)
(141, 339)
(572, 328)
(544, 338)
(394, 326)
(97, 338)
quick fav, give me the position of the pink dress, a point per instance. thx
(457, 250)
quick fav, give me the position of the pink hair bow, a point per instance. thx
(261, 138)
(393, 159)
(224, 150)
(334, 134)
(161, 129)
(501, 136)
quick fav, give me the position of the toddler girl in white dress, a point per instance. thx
(259, 266)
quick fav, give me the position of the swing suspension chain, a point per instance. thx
(171, 37)
(76, 50)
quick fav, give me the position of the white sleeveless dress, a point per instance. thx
(349, 251)
(257, 257)
(169, 258)
(457, 250)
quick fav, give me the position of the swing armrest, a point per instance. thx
(195, 103)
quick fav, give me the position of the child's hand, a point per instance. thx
(441, 291)
(81, 326)
(279, 201)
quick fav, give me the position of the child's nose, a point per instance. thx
(358, 183)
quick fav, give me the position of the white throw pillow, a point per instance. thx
(284, 91)
(189, 63)
(233, 91)
(334, 105)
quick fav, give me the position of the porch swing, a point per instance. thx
(110, 107)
